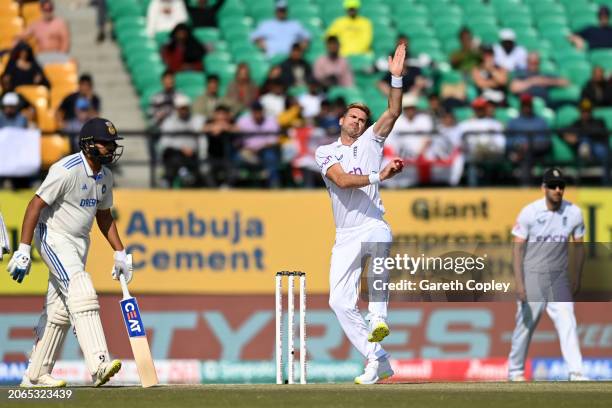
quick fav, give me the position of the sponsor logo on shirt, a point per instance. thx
(84, 187)
(89, 202)
(356, 170)
(339, 158)
(326, 161)
(551, 238)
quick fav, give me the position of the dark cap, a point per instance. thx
(99, 129)
(257, 106)
(553, 175)
(604, 10)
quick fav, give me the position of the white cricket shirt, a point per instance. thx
(547, 232)
(353, 207)
(74, 194)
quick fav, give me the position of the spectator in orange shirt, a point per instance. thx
(51, 35)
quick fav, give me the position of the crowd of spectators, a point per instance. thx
(43, 45)
(487, 106)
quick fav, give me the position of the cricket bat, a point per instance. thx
(138, 335)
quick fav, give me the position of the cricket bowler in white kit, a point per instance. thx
(77, 190)
(351, 169)
(539, 225)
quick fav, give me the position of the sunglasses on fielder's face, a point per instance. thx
(554, 186)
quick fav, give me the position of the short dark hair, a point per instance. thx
(358, 105)
(333, 38)
(212, 77)
(86, 78)
(166, 73)
(222, 108)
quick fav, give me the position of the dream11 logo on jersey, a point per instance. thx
(131, 316)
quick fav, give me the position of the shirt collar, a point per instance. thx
(88, 169)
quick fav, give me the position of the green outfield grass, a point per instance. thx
(446, 395)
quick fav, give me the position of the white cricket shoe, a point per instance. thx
(517, 378)
(378, 330)
(106, 371)
(375, 371)
(44, 381)
(578, 377)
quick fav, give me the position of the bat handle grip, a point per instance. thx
(124, 287)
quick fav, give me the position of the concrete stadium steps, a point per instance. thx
(111, 83)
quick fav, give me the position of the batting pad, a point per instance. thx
(47, 348)
(84, 308)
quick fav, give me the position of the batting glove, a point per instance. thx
(123, 265)
(19, 265)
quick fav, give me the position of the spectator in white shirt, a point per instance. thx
(164, 15)
(179, 145)
(508, 54)
(273, 101)
(412, 132)
(487, 140)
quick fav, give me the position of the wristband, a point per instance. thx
(120, 255)
(374, 178)
(396, 81)
(24, 248)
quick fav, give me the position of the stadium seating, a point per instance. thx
(432, 25)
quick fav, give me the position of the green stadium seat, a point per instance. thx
(566, 55)
(118, 9)
(130, 36)
(361, 63)
(213, 60)
(517, 24)
(228, 23)
(191, 91)
(604, 2)
(303, 10)
(468, 3)
(259, 71)
(349, 94)
(424, 45)
(145, 79)
(383, 42)
(561, 152)
(416, 12)
(605, 114)
(580, 6)
(602, 58)
(579, 23)
(148, 47)
(489, 34)
(556, 11)
(569, 93)
(207, 34)
(578, 72)
(463, 113)
(129, 23)
(293, 3)
(505, 114)
(231, 9)
(314, 25)
(445, 11)
(566, 115)
(226, 72)
(189, 78)
(552, 22)
(162, 38)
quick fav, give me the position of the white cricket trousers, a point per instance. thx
(344, 279)
(64, 257)
(527, 318)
